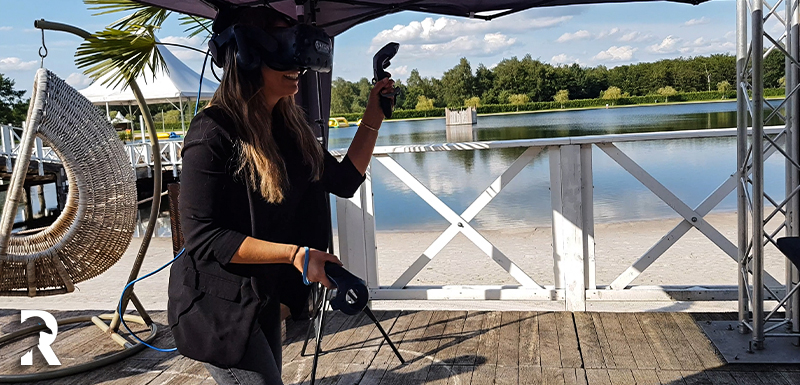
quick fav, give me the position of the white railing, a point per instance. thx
(571, 190)
(139, 154)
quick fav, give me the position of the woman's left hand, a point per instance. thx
(373, 116)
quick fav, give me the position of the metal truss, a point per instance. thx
(757, 314)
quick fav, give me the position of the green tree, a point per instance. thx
(666, 92)
(562, 96)
(723, 87)
(774, 69)
(414, 89)
(612, 93)
(473, 102)
(363, 88)
(518, 99)
(13, 109)
(172, 116)
(484, 79)
(457, 84)
(423, 103)
(342, 96)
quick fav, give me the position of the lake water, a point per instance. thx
(690, 168)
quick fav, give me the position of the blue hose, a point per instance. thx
(200, 88)
(119, 307)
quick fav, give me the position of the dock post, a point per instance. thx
(356, 221)
(573, 256)
(61, 190)
(8, 146)
(40, 196)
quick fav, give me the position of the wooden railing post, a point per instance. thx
(573, 254)
(147, 152)
(8, 146)
(356, 221)
(39, 155)
(173, 158)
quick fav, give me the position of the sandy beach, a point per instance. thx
(693, 260)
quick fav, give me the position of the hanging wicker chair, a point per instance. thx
(96, 225)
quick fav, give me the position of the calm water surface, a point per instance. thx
(690, 168)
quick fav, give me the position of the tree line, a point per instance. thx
(13, 108)
(527, 80)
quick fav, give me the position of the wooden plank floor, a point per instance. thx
(443, 348)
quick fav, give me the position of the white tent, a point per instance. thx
(178, 86)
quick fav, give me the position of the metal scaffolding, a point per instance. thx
(761, 302)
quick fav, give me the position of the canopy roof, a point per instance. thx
(179, 84)
(337, 16)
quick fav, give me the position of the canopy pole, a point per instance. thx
(183, 123)
(108, 113)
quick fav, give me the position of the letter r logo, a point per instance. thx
(45, 339)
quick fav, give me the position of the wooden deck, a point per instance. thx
(446, 347)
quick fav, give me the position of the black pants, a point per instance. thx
(261, 364)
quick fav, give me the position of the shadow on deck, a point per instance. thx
(444, 347)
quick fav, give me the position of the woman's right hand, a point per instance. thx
(316, 265)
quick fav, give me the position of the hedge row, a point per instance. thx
(580, 103)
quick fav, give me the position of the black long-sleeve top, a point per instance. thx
(218, 211)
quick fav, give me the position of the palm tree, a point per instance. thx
(124, 49)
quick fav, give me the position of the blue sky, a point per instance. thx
(608, 34)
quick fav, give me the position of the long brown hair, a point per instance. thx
(240, 95)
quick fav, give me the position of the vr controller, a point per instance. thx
(351, 292)
(380, 62)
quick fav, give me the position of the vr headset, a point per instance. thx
(300, 47)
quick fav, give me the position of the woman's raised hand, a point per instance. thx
(316, 265)
(373, 116)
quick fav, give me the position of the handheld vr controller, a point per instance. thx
(351, 292)
(380, 62)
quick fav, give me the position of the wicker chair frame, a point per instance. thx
(96, 226)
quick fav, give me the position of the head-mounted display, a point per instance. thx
(299, 47)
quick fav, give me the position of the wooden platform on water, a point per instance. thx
(444, 347)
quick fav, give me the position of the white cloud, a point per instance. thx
(624, 53)
(563, 58)
(446, 29)
(184, 53)
(16, 64)
(6, 28)
(579, 35)
(492, 43)
(586, 35)
(668, 45)
(78, 80)
(635, 37)
(702, 20)
(702, 46)
(400, 71)
(611, 32)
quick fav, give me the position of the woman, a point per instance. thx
(254, 187)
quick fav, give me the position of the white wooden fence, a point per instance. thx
(139, 154)
(571, 186)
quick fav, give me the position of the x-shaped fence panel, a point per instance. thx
(691, 217)
(460, 223)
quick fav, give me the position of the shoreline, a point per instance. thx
(693, 260)
(583, 109)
